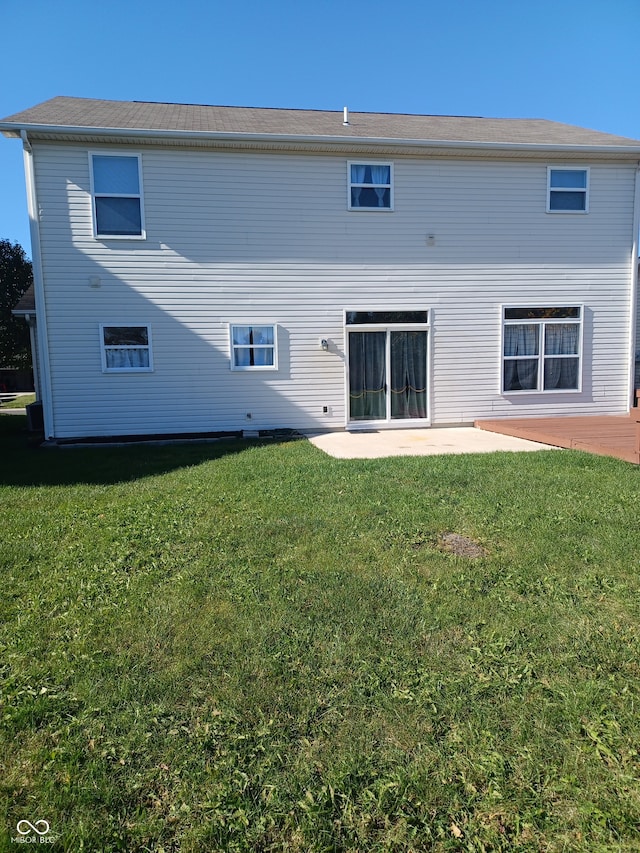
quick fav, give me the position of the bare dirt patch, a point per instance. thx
(461, 546)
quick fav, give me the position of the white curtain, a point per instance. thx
(253, 356)
(561, 339)
(125, 357)
(253, 346)
(357, 177)
(380, 175)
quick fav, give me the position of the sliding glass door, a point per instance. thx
(367, 376)
(408, 357)
(387, 372)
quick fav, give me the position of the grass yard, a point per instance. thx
(255, 647)
(18, 402)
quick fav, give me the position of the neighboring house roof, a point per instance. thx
(26, 303)
(88, 117)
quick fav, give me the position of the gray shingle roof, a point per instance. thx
(26, 303)
(194, 119)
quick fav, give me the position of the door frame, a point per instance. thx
(388, 422)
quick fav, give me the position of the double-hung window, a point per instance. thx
(126, 348)
(567, 190)
(253, 347)
(541, 349)
(116, 184)
(370, 186)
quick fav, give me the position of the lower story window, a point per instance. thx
(126, 348)
(387, 365)
(541, 349)
(253, 347)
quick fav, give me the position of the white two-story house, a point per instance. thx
(203, 269)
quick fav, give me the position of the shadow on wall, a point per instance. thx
(191, 388)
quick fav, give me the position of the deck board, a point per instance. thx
(605, 435)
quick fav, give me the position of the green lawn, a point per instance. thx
(255, 647)
(18, 402)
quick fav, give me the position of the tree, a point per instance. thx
(16, 275)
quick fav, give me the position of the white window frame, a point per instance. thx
(387, 326)
(104, 347)
(233, 347)
(542, 322)
(351, 184)
(139, 196)
(584, 190)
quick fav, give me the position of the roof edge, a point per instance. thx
(13, 129)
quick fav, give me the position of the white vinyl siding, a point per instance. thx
(232, 237)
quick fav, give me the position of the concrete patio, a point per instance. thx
(604, 435)
(375, 444)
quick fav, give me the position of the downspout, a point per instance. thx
(38, 286)
(633, 343)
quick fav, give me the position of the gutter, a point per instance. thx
(43, 369)
(11, 129)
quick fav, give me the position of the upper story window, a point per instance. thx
(567, 190)
(253, 347)
(126, 348)
(117, 195)
(370, 186)
(541, 349)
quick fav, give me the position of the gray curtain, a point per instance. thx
(561, 339)
(367, 393)
(521, 340)
(408, 374)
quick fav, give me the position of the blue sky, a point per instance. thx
(574, 61)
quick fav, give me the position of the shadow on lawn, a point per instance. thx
(25, 463)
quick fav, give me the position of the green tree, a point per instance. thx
(16, 275)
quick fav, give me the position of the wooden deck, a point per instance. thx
(605, 435)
